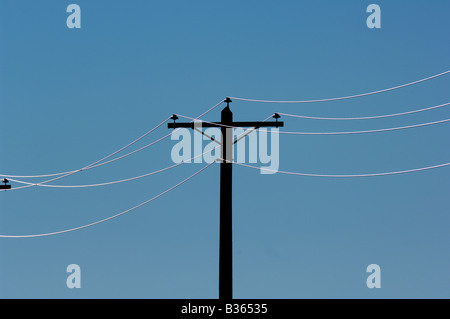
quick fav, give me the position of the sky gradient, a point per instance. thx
(69, 97)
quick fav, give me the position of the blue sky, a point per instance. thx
(69, 97)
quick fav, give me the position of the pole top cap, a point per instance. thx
(228, 100)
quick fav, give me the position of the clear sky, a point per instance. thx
(71, 96)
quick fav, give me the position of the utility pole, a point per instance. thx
(226, 176)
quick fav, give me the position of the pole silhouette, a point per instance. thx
(226, 191)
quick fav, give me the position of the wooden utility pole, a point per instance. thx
(226, 176)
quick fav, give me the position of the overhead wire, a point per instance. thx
(344, 97)
(240, 164)
(68, 173)
(118, 181)
(112, 217)
(341, 176)
(238, 138)
(364, 132)
(95, 185)
(98, 163)
(364, 117)
(336, 133)
(94, 163)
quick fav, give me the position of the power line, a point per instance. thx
(343, 176)
(209, 110)
(346, 97)
(97, 163)
(365, 117)
(96, 185)
(94, 166)
(238, 138)
(334, 133)
(249, 131)
(94, 163)
(112, 217)
(118, 181)
(363, 132)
